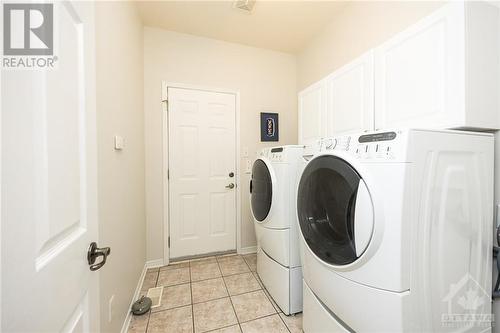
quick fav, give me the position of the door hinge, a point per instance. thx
(165, 105)
(168, 241)
(168, 173)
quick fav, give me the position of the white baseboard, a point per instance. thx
(137, 292)
(149, 264)
(248, 250)
(154, 263)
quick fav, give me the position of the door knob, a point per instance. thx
(94, 252)
(231, 185)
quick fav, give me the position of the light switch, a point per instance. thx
(244, 152)
(119, 142)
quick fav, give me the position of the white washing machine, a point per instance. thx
(273, 188)
(396, 232)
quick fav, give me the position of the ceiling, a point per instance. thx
(284, 26)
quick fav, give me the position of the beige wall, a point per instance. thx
(266, 81)
(359, 27)
(122, 223)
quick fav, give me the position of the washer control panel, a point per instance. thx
(384, 145)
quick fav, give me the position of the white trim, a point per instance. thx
(164, 134)
(164, 88)
(248, 250)
(154, 263)
(137, 293)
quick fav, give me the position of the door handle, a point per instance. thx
(231, 185)
(94, 252)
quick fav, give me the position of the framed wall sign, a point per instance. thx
(269, 129)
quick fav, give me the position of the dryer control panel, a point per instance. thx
(383, 145)
(282, 154)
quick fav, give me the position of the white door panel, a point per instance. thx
(312, 113)
(350, 104)
(201, 156)
(49, 207)
(419, 75)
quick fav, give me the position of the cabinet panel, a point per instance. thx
(350, 100)
(419, 73)
(312, 109)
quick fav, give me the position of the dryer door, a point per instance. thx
(335, 210)
(261, 190)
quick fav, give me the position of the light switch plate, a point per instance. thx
(119, 142)
(244, 152)
(248, 166)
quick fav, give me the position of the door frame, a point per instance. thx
(165, 159)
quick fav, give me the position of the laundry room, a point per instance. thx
(250, 166)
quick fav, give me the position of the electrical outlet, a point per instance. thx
(110, 308)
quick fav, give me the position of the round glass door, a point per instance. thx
(326, 207)
(261, 190)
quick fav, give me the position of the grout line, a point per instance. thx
(246, 292)
(212, 278)
(268, 315)
(177, 306)
(210, 300)
(149, 313)
(218, 298)
(173, 308)
(288, 328)
(173, 285)
(221, 328)
(191, 290)
(147, 323)
(250, 268)
(230, 299)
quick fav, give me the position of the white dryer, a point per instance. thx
(272, 195)
(396, 232)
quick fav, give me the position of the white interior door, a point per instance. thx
(202, 157)
(49, 210)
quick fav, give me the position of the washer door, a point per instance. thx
(335, 210)
(261, 190)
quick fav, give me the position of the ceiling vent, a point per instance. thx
(246, 5)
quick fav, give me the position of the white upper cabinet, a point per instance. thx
(442, 72)
(312, 113)
(350, 97)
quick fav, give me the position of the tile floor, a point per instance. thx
(214, 294)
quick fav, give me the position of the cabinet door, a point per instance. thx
(419, 73)
(350, 100)
(312, 109)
